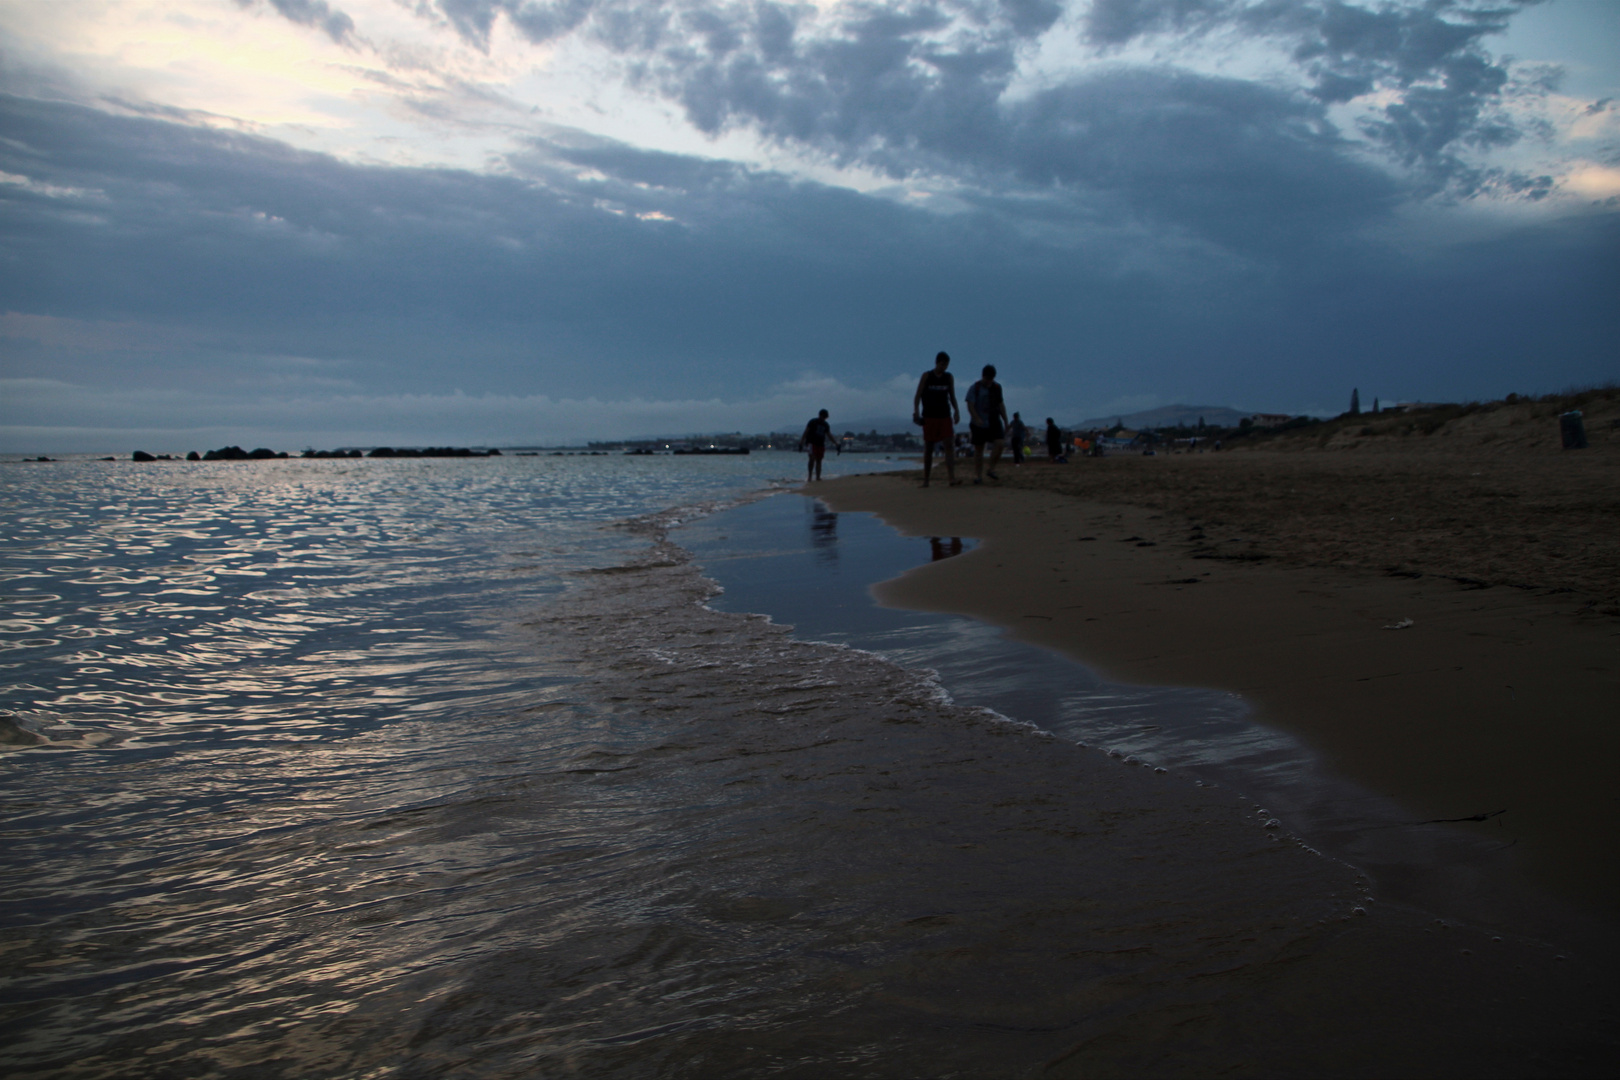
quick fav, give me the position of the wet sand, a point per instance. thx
(1387, 606)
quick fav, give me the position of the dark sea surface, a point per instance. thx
(466, 768)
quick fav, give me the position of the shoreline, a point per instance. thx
(958, 894)
(1490, 699)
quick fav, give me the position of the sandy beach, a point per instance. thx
(1434, 613)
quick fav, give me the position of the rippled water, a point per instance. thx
(429, 768)
(236, 694)
(299, 599)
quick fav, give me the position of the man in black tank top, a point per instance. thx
(934, 407)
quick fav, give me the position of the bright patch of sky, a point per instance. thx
(404, 88)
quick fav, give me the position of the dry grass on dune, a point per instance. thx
(1482, 494)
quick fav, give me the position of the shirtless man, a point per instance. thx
(934, 407)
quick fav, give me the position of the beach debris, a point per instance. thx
(1402, 625)
(1358, 911)
(1273, 823)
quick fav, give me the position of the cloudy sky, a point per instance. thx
(329, 222)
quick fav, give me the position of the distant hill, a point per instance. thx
(1170, 416)
(883, 425)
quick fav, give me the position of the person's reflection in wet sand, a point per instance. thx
(940, 549)
(824, 532)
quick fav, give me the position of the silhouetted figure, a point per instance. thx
(987, 419)
(816, 434)
(934, 407)
(1017, 432)
(1054, 441)
(938, 549)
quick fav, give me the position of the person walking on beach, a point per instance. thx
(1017, 432)
(1054, 441)
(987, 419)
(816, 434)
(934, 407)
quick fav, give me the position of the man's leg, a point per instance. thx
(928, 460)
(995, 457)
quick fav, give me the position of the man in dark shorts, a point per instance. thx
(987, 420)
(816, 434)
(1054, 441)
(934, 407)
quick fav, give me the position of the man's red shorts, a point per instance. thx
(937, 429)
(818, 451)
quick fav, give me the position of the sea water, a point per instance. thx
(461, 767)
(225, 683)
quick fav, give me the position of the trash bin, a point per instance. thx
(1572, 429)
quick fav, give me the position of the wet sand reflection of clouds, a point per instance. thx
(823, 531)
(940, 548)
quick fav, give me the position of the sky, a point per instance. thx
(323, 223)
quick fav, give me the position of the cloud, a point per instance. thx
(316, 13)
(1124, 229)
(921, 87)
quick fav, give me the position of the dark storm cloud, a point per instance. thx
(276, 250)
(245, 266)
(1449, 89)
(316, 13)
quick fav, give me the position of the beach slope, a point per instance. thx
(1441, 659)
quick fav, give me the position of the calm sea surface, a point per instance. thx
(443, 767)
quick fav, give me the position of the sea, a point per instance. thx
(577, 764)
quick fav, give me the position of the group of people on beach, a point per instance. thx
(934, 408)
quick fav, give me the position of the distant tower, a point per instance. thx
(1355, 403)
(1375, 404)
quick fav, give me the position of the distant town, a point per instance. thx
(1169, 427)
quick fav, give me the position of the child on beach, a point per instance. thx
(1017, 432)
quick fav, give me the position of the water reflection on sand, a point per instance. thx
(1209, 734)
